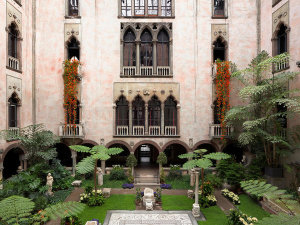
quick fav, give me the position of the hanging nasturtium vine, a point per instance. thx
(223, 92)
(70, 85)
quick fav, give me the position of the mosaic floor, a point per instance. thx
(123, 217)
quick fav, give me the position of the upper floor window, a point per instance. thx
(129, 52)
(144, 8)
(163, 49)
(138, 112)
(13, 110)
(219, 50)
(73, 7)
(122, 112)
(14, 47)
(219, 8)
(170, 112)
(146, 51)
(282, 40)
(73, 49)
(154, 116)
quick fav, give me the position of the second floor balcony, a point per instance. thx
(216, 131)
(71, 131)
(158, 131)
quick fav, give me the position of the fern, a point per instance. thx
(281, 219)
(63, 209)
(16, 209)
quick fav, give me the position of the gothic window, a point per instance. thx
(146, 52)
(219, 8)
(219, 50)
(153, 7)
(129, 52)
(73, 49)
(282, 40)
(77, 119)
(170, 113)
(122, 112)
(126, 8)
(13, 110)
(166, 7)
(73, 7)
(163, 48)
(13, 41)
(138, 112)
(139, 7)
(154, 115)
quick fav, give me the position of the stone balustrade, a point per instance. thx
(216, 131)
(154, 130)
(13, 63)
(122, 130)
(71, 131)
(129, 71)
(146, 71)
(163, 71)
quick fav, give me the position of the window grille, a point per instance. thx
(153, 7)
(166, 7)
(219, 8)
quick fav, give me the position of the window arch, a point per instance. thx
(77, 119)
(219, 51)
(138, 112)
(13, 41)
(146, 52)
(170, 112)
(73, 48)
(13, 110)
(281, 40)
(163, 48)
(122, 112)
(154, 112)
(129, 52)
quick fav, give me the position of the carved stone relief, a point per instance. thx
(72, 29)
(13, 15)
(280, 16)
(219, 30)
(13, 84)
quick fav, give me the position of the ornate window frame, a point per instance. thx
(225, 16)
(67, 9)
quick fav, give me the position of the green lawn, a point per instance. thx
(106, 183)
(214, 215)
(183, 183)
(251, 208)
(114, 202)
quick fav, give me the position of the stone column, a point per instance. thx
(122, 56)
(103, 166)
(114, 119)
(178, 120)
(146, 119)
(192, 177)
(74, 156)
(196, 207)
(130, 118)
(154, 58)
(138, 57)
(132, 172)
(162, 108)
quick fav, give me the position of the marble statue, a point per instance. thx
(49, 184)
(100, 177)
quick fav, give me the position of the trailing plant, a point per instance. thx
(70, 91)
(223, 92)
(267, 104)
(89, 164)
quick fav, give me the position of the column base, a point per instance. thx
(196, 210)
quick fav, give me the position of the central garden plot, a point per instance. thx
(124, 217)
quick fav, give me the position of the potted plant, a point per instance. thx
(161, 160)
(139, 197)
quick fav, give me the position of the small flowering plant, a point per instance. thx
(236, 217)
(129, 186)
(165, 186)
(93, 198)
(231, 196)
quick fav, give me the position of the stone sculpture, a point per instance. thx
(49, 184)
(100, 177)
(148, 199)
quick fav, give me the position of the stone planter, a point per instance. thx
(274, 172)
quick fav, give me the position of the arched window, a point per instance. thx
(73, 49)
(154, 112)
(163, 49)
(170, 113)
(282, 40)
(146, 51)
(13, 110)
(129, 52)
(13, 41)
(73, 7)
(138, 112)
(77, 119)
(219, 8)
(122, 112)
(219, 50)
(153, 7)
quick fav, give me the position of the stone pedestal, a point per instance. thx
(196, 210)
(190, 194)
(106, 192)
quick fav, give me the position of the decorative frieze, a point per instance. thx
(13, 16)
(13, 84)
(280, 16)
(72, 29)
(219, 30)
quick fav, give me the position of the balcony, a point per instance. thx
(13, 132)
(122, 130)
(154, 130)
(71, 131)
(146, 71)
(163, 71)
(215, 131)
(13, 63)
(283, 64)
(138, 130)
(170, 130)
(129, 71)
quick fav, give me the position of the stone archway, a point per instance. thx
(172, 151)
(119, 159)
(13, 162)
(64, 154)
(146, 155)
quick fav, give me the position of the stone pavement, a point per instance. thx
(223, 202)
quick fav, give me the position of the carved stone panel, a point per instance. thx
(13, 84)
(219, 30)
(72, 29)
(281, 15)
(13, 15)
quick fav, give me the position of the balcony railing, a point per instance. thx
(216, 131)
(129, 70)
(13, 63)
(281, 65)
(122, 130)
(71, 131)
(138, 130)
(154, 130)
(13, 132)
(146, 70)
(170, 130)
(163, 71)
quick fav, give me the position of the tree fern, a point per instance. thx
(63, 209)
(16, 209)
(281, 219)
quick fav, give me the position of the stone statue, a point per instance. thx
(49, 184)
(100, 177)
(244, 160)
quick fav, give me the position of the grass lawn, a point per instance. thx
(251, 208)
(214, 215)
(114, 202)
(107, 183)
(183, 183)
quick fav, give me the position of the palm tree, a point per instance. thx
(98, 152)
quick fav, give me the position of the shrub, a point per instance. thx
(131, 161)
(231, 171)
(256, 168)
(175, 172)
(129, 186)
(214, 180)
(236, 217)
(117, 173)
(231, 196)
(138, 194)
(165, 186)
(208, 189)
(92, 198)
(74, 220)
(157, 195)
(162, 176)
(207, 201)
